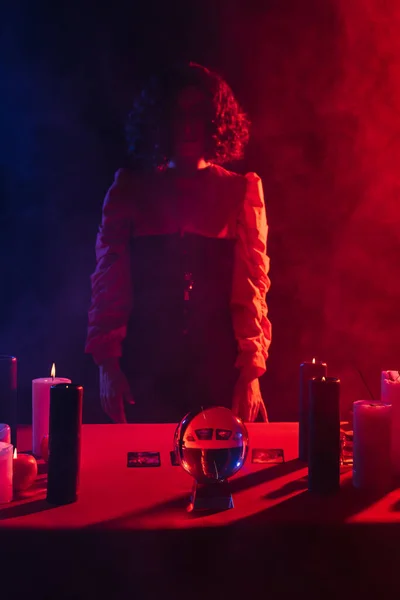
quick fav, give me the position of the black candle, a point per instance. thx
(8, 394)
(64, 443)
(308, 370)
(324, 432)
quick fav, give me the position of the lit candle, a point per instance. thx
(8, 387)
(24, 471)
(324, 440)
(308, 370)
(372, 467)
(390, 394)
(5, 433)
(41, 407)
(6, 472)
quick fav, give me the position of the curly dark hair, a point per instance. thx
(148, 128)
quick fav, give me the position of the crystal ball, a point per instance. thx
(211, 445)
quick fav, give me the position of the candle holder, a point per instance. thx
(346, 448)
(211, 446)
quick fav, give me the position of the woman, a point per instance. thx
(178, 318)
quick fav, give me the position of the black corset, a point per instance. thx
(181, 301)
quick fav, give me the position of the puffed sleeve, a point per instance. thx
(250, 280)
(111, 302)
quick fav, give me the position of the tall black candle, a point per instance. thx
(308, 370)
(8, 394)
(324, 432)
(64, 443)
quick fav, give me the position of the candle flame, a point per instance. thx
(323, 379)
(313, 360)
(53, 371)
(15, 453)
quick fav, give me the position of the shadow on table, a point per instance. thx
(395, 506)
(33, 501)
(307, 507)
(303, 508)
(264, 475)
(179, 503)
(298, 485)
(21, 510)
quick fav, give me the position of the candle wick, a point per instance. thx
(366, 384)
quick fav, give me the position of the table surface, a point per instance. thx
(113, 496)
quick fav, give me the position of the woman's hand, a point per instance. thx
(247, 398)
(114, 390)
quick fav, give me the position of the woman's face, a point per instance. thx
(189, 126)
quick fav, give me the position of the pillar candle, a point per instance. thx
(388, 378)
(64, 443)
(5, 433)
(41, 408)
(390, 394)
(308, 370)
(371, 445)
(324, 435)
(8, 394)
(6, 472)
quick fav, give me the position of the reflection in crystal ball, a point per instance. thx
(211, 445)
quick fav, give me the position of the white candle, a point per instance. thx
(6, 472)
(41, 408)
(390, 394)
(385, 377)
(5, 433)
(372, 468)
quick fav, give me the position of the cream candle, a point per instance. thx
(388, 378)
(8, 390)
(41, 408)
(5, 433)
(372, 468)
(390, 394)
(6, 472)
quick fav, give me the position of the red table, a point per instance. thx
(113, 495)
(131, 524)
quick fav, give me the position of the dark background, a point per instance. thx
(320, 80)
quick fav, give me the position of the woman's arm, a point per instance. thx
(250, 286)
(111, 282)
